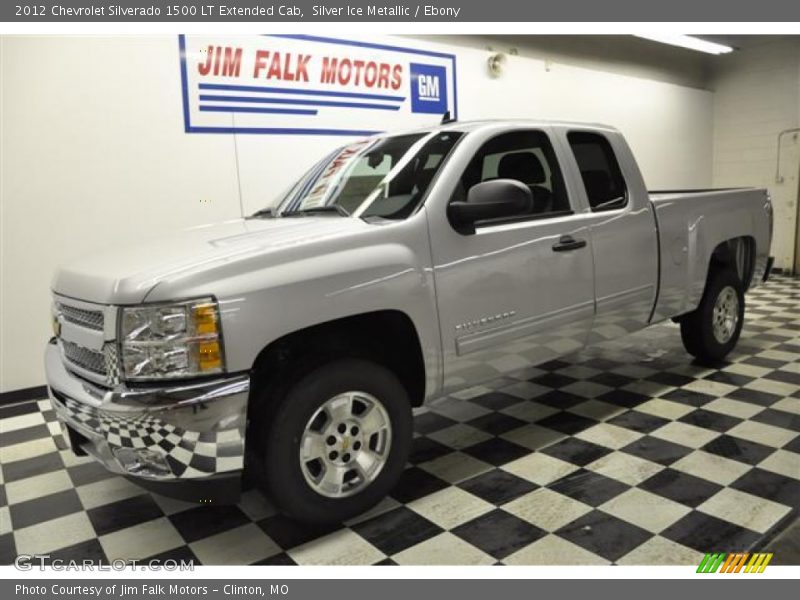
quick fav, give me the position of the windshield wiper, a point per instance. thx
(330, 208)
(263, 213)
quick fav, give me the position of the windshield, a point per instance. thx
(382, 178)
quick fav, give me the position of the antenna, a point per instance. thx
(446, 118)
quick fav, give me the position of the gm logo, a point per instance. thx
(428, 89)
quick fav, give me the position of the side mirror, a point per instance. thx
(490, 200)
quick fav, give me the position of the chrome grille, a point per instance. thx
(82, 339)
(85, 358)
(91, 319)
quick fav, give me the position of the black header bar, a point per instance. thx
(299, 11)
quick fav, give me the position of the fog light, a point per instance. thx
(143, 462)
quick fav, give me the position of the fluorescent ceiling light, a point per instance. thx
(687, 41)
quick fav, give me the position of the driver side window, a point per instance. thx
(524, 156)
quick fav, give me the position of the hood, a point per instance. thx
(125, 274)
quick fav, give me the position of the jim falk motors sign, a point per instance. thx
(299, 84)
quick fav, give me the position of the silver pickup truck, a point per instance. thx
(292, 345)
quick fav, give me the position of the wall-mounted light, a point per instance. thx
(495, 64)
(688, 41)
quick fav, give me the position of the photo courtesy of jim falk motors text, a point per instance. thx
(126, 590)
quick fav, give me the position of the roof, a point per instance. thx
(475, 125)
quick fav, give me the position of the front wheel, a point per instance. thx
(711, 331)
(338, 441)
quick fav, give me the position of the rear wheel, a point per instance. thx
(711, 331)
(338, 440)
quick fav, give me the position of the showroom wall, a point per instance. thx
(756, 96)
(94, 153)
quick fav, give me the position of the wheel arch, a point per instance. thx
(388, 337)
(738, 253)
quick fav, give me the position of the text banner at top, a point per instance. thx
(49, 11)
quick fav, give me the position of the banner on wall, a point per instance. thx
(309, 85)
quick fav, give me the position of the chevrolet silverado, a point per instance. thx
(291, 346)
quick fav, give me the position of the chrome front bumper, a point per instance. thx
(183, 440)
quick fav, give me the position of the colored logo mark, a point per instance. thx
(428, 89)
(735, 562)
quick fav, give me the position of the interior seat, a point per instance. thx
(526, 168)
(598, 186)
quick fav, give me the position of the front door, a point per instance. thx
(519, 291)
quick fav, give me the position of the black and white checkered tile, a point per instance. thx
(625, 453)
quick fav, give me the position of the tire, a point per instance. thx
(309, 414)
(711, 331)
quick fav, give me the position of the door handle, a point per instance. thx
(567, 243)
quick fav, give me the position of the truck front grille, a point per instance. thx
(84, 358)
(85, 349)
(91, 319)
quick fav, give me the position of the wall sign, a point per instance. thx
(300, 84)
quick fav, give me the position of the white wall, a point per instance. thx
(757, 95)
(618, 54)
(89, 160)
(93, 153)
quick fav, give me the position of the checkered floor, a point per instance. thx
(625, 453)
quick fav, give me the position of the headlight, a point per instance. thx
(181, 339)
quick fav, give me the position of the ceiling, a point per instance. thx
(741, 41)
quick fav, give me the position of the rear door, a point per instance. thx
(518, 291)
(623, 231)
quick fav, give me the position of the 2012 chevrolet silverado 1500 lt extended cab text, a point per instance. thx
(292, 345)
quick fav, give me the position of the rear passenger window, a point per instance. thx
(602, 177)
